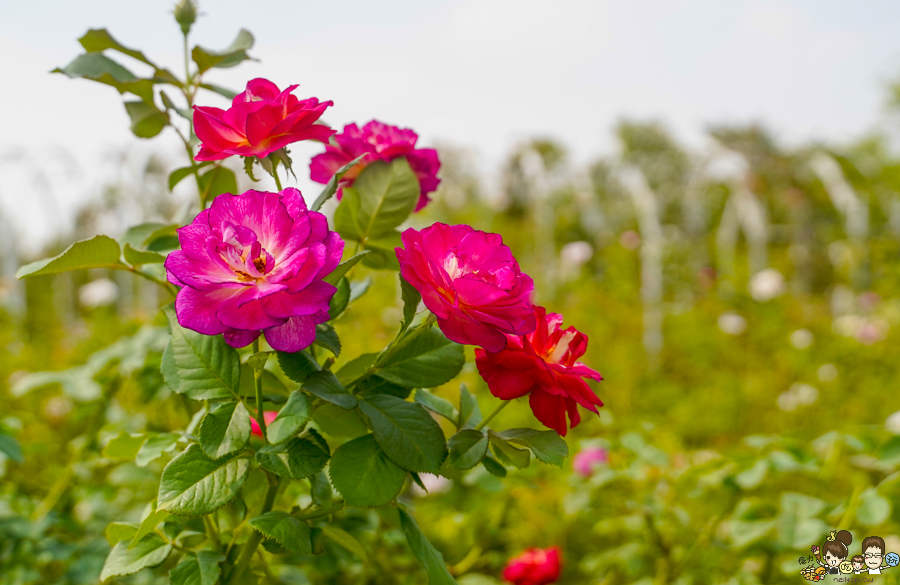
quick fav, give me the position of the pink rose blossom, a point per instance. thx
(470, 281)
(268, 416)
(588, 459)
(377, 141)
(544, 364)
(261, 120)
(255, 262)
(534, 567)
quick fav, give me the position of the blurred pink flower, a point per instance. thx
(534, 567)
(254, 263)
(588, 459)
(377, 141)
(470, 281)
(261, 120)
(268, 416)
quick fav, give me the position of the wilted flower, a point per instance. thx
(377, 141)
(255, 262)
(543, 364)
(269, 416)
(261, 120)
(588, 459)
(470, 281)
(534, 567)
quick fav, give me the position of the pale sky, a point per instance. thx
(482, 74)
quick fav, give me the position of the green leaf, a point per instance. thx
(340, 300)
(343, 268)
(258, 360)
(122, 561)
(754, 476)
(339, 422)
(289, 532)
(356, 368)
(223, 91)
(427, 361)
(382, 197)
(383, 251)
(297, 458)
(225, 429)
(154, 447)
(100, 68)
(168, 104)
(874, 509)
(320, 488)
(234, 54)
(146, 119)
(346, 540)
(297, 366)
(377, 385)
(406, 432)
(179, 175)
(508, 454)
(96, 40)
(292, 417)
(424, 551)
(328, 338)
(467, 448)
(493, 467)
(364, 475)
(201, 367)
(437, 404)
(326, 386)
(98, 252)
(139, 257)
(147, 525)
(124, 446)
(194, 485)
(216, 181)
(117, 531)
(547, 446)
(332, 185)
(199, 568)
(469, 411)
(411, 298)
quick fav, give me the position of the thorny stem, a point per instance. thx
(257, 382)
(255, 538)
(494, 413)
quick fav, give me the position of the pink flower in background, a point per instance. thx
(588, 459)
(261, 120)
(254, 263)
(470, 281)
(543, 364)
(268, 416)
(534, 567)
(377, 141)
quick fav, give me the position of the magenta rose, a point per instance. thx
(261, 120)
(377, 141)
(589, 459)
(535, 566)
(470, 281)
(254, 263)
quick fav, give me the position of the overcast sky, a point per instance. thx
(483, 74)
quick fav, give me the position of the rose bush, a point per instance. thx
(335, 432)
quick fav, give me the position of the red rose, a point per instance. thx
(534, 567)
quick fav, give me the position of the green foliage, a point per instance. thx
(122, 560)
(431, 559)
(286, 530)
(194, 485)
(547, 446)
(467, 448)
(364, 475)
(326, 386)
(233, 55)
(146, 119)
(292, 417)
(98, 252)
(406, 433)
(429, 360)
(200, 568)
(332, 186)
(297, 458)
(225, 429)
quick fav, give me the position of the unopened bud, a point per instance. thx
(186, 14)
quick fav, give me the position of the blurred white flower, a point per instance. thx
(98, 293)
(435, 484)
(892, 424)
(731, 323)
(572, 257)
(799, 394)
(827, 372)
(766, 285)
(802, 338)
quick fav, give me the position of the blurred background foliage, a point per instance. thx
(742, 301)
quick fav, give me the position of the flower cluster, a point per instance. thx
(473, 285)
(376, 141)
